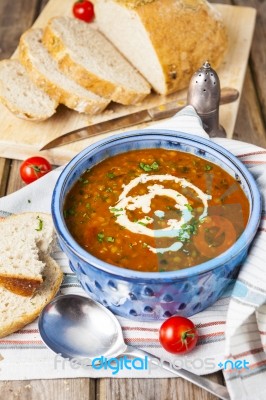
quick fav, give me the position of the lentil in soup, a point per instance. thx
(156, 210)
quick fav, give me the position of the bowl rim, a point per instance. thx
(163, 134)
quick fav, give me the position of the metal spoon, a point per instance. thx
(79, 328)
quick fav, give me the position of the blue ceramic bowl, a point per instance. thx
(151, 296)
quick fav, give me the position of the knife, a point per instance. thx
(228, 95)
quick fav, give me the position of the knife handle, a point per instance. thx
(228, 95)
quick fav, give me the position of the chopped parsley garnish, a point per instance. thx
(208, 167)
(40, 225)
(113, 209)
(83, 180)
(100, 237)
(189, 207)
(148, 168)
(187, 230)
(110, 175)
(142, 223)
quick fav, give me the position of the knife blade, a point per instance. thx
(228, 95)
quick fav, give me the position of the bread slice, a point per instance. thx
(44, 71)
(21, 96)
(166, 40)
(86, 56)
(25, 239)
(17, 311)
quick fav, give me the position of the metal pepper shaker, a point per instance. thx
(204, 95)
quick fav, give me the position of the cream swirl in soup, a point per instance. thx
(156, 210)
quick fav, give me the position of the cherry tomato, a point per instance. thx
(83, 10)
(215, 235)
(33, 168)
(178, 335)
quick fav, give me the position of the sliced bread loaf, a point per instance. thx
(91, 60)
(24, 240)
(166, 40)
(17, 311)
(44, 71)
(21, 96)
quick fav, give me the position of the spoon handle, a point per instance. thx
(212, 387)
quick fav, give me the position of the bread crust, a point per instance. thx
(21, 286)
(18, 284)
(22, 114)
(183, 33)
(70, 99)
(85, 78)
(182, 54)
(47, 290)
(18, 112)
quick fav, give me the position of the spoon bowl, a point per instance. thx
(77, 327)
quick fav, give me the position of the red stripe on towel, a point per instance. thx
(252, 154)
(210, 324)
(254, 162)
(21, 342)
(246, 353)
(138, 328)
(22, 331)
(250, 366)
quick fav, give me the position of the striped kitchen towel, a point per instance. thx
(232, 332)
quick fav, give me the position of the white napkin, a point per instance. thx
(233, 329)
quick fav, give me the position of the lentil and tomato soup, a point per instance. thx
(156, 210)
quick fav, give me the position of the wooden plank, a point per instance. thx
(258, 52)
(4, 174)
(159, 389)
(251, 118)
(60, 389)
(14, 19)
(14, 182)
(31, 136)
(249, 125)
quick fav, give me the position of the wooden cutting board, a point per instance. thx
(20, 139)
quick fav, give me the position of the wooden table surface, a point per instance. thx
(15, 18)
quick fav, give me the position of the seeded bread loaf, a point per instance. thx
(92, 61)
(21, 96)
(16, 311)
(24, 241)
(44, 71)
(166, 40)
